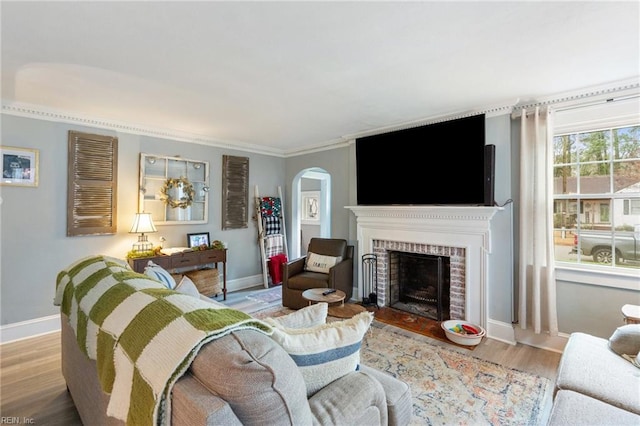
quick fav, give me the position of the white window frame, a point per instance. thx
(601, 115)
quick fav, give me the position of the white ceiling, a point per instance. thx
(289, 76)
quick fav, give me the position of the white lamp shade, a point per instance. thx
(143, 223)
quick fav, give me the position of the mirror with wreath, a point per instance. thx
(174, 190)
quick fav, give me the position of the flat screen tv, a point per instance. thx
(436, 164)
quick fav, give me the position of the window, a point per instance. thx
(597, 196)
(631, 206)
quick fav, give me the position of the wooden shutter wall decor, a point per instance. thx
(92, 184)
(235, 192)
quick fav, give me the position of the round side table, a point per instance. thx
(631, 314)
(340, 310)
(315, 295)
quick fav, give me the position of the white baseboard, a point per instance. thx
(31, 328)
(501, 331)
(37, 326)
(511, 334)
(244, 283)
(542, 341)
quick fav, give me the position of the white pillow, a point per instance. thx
(321, 263)
(158, 273)
(309, 316)
(625, 340)
(187, 286)
(326, 352)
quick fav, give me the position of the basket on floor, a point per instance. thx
(206, 280)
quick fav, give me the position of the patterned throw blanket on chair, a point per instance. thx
(142, 335)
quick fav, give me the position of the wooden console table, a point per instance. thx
(196, 258)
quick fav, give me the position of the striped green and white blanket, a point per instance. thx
(142, 335)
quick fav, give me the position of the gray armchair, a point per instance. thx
(296, 279)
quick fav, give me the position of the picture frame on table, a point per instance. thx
(19, 166)
(198, 239)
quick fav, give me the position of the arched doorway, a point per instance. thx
(309, 184)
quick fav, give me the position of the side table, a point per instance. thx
(339, 311)
(193, 259)
(631, 314)
(315, 295)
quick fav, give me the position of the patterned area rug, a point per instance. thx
(449, 386)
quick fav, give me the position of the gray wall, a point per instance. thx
(34, 246)
(592, 309)
(500, 286)
(340, 163)
(581, 307)
(33, 220)
(337, 163)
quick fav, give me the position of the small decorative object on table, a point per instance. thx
(198, 239)
(463, 332)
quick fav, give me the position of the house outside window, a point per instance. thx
(597, 196)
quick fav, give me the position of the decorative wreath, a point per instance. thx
(187, 192)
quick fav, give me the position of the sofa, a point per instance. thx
(243, 377)
(328, 264)
(598, 380)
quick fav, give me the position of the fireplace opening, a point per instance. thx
(422, 284)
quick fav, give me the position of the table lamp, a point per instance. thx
(142, 223)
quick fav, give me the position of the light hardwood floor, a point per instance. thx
(32, 386)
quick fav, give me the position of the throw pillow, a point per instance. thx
(177, 277)
(321, 263)
(157, 272)
(326, 352)
(626, 340)
(309, 316)
(187, 286)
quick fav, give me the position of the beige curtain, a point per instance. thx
(536, 275)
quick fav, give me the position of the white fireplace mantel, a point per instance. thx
(467, 227)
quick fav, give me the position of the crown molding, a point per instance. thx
(325, 146)
(33, 111)
(618, 89)
(503, 108)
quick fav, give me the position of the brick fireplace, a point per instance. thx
(462, 233)
(390, 283)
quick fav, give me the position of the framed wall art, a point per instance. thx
(174, 190)
(310, 207)
(19, 166)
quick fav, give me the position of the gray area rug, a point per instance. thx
(258, 300)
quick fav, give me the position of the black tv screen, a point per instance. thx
(441, 163)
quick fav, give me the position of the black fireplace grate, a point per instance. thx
(423, 284)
